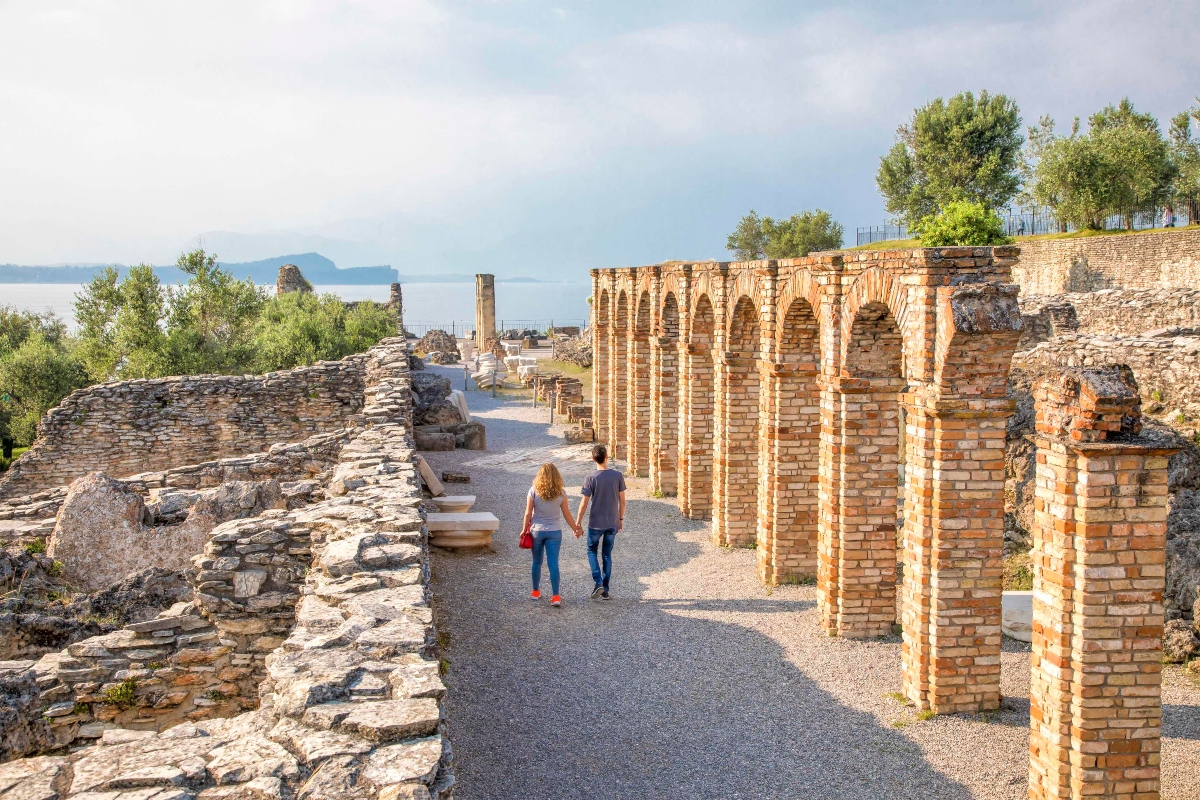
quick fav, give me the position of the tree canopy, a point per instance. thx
(1122, 165)
(964, 149)
(758, 237)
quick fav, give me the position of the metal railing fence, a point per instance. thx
(1032, 223)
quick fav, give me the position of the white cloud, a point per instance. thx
(131, 127)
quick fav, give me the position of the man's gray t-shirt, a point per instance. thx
(604, 486)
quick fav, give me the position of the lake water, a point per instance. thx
(425, 304)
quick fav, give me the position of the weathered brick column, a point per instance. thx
(1099, 552)
(618, 380)
(601, 355)
(665, 400)
(638, 381)
(696, 414)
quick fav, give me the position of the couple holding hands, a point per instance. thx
(604, 492)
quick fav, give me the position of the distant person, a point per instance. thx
(1021, 226)
(605, 488)
(1168, 217)
(545, 509)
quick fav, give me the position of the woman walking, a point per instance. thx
(545, 509)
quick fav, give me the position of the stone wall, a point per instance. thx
(129, 427)
(348, 706)
(1116, 312)
(1160, 259)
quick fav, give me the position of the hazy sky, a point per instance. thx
(513, 136)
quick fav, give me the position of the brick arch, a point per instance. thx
(876, 287)
(746, 284)
(745, 326)
(704, 320)
(669, 315)
(602, 308)
(797, 286)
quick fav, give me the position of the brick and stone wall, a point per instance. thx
(131, 427)
(1114, 312)
(1156, 260)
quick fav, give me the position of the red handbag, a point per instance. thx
(526, 541)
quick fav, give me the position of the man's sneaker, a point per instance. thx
(535, 594)
(597, 592)
(555, 601)
(604, 594)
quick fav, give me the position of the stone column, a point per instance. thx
(1099, 564)
(485, 310)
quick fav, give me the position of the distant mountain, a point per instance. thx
(317, 268)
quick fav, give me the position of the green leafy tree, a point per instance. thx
(1121, 166)
(762, 237)
(299, 328)
(209, 319)
(962, 224)
(966, 148)
(96, 309)
(1185, 154)
(34, 377)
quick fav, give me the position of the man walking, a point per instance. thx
(605, 490)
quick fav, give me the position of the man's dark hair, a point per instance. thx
(599, 454)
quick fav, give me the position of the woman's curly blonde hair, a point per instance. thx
(548, 484)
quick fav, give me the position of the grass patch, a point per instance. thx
(926, 715)
(444, 666)
(911, 244)
(36, 547)
(216, 695)
(122, 695)
(1018, 572)
(798, 580)
(897, 696)
(899, 723)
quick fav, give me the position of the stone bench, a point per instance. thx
(455, 530)
(454, 504)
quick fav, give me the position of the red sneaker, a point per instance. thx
(555, 601)
(535, 594)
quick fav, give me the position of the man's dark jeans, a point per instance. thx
(595, 537)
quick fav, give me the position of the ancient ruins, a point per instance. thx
(846, 415)
(303, 659)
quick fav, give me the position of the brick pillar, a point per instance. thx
(735, 462)
(638, 381)
(788, 499)
(696, 413)
(857, 552)
(601, 358)
(1099, 537)
(953, 553)
(618, 377)
(664, 412)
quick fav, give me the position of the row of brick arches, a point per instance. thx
(845, 415)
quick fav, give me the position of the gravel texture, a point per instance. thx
(695, 681)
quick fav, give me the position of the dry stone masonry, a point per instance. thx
(1153, 260)
(130, 427)
(839, 413)
(304, 666)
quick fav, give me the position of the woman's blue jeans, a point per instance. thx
(549, 542)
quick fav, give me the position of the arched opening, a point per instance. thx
(618, 421)
(696, 435)
(600, 366)
(872, 473)
(789, 491)
(664, 423)
(737, 517)
(639, 390)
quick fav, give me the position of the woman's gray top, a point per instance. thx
(547, 514)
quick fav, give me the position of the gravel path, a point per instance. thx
(695, 681)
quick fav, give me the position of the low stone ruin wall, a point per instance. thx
(575, 350)
(132, 427)
(314, 623)
(1167, 367)
(1115, 312)
(1162, 259)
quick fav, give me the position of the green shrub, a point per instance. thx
(36, 547)
(123, 695)
(962, 224)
